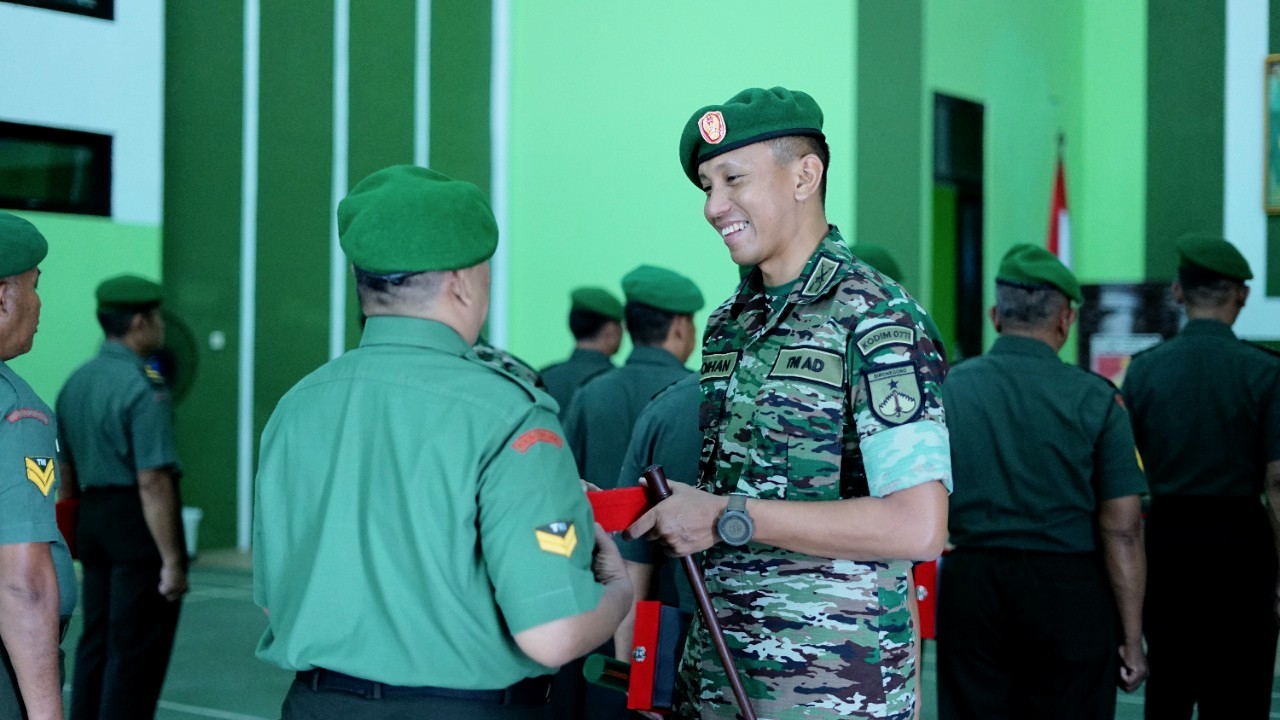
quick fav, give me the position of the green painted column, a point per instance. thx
(202, 168)
(461, 48)
(1186, 88)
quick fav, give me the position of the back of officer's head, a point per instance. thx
(593, 311)
(412, 234)
(656, 297)
(126, 302)
(1211, 272)
(1033, 290)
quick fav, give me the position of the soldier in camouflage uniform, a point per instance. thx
(823, 436)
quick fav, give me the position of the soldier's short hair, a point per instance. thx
(115, 321)
(586, 325)
(791, 147)
(386, 291)
(1027, 307)
(646, 324)
(1205, 288)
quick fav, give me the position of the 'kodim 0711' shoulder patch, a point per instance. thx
(557, 538)
(894, 393)
(40, 472)
(884, 336)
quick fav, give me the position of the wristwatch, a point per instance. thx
(735, 526)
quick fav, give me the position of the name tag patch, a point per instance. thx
(894, 392)
(719, 365)
(40, 472)
(884, 336)
(802, 363)
(557, 538)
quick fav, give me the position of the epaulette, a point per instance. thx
(1099, 376)
(519, 379)
(153, 375)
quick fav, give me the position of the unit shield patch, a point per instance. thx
(557, 538)
(895, 394)
(40, 472)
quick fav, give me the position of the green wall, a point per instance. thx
(595, 183)
(83, 251)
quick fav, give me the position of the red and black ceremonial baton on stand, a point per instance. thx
(615, 510)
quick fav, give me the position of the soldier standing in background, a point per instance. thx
(116, 425)
(1206, 416)
(595, 319)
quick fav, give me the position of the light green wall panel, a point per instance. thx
(83, 251)
(595, 184)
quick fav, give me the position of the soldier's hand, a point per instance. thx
(684, 523)
(1133, 666)
(173, 581)
(607, 563)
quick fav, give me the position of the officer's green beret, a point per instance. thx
(749, 117)
(411, 219)
(1033, 265)
(22, 247)
(128, 291)
(596, 300)
(1213, 254)
(878, 257)
(662, 289)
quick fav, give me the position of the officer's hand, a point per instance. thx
(589, 487)
(684, 523)
(1133, 666)
(607, 563)
(173, 582)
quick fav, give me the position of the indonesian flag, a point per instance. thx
(1059, 221)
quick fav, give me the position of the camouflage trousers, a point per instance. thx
(833, 640)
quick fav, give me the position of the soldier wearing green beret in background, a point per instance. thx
(1046, 518)
(825, 466)
(595, 319)
(120, 458)
(598, 424)
(1206, 415)
(422, 544)
(37, 581)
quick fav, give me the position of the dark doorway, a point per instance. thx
(957, 223)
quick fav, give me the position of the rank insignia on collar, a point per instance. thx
(711, 125)
(894, 395)
(40, 472)
(822, 275)
(557, 538)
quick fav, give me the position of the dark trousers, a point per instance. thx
(304, 703)
(1025, 635)
(573, 698)
(128, 625)
(1209, 619)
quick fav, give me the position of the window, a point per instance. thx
(105, 9)
(54, 170)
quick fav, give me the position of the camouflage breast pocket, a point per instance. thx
(800, 420)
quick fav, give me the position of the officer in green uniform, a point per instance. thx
(422, 544)
(1206, 415)
(37, 582)
(825, 465)
(659, 318)
(116, 427)
(595, 319)
(1046, 518)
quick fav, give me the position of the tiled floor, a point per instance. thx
(214, 673)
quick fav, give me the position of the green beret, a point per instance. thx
(663, 289)
(1213, 254)
(878, 257)
(411, 219)
(596, 300)
(22, 247)
(1033, 265)
(749, 117)
(128, 291)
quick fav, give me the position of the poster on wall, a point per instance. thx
(1120, 320)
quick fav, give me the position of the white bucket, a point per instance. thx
(191, 517)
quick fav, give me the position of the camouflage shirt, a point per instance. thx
(828, 392)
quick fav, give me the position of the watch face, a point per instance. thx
(735, 529)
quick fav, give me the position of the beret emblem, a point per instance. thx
(711, 125)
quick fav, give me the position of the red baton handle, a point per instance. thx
(659, 489)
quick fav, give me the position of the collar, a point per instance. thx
(650, 355)
(118, 350)
(1207, 328)
(829, 263)
(588, 356)
(416, 332)
(1024, 346)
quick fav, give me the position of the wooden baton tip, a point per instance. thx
(659, 489)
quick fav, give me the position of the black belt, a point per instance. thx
(530, 691)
